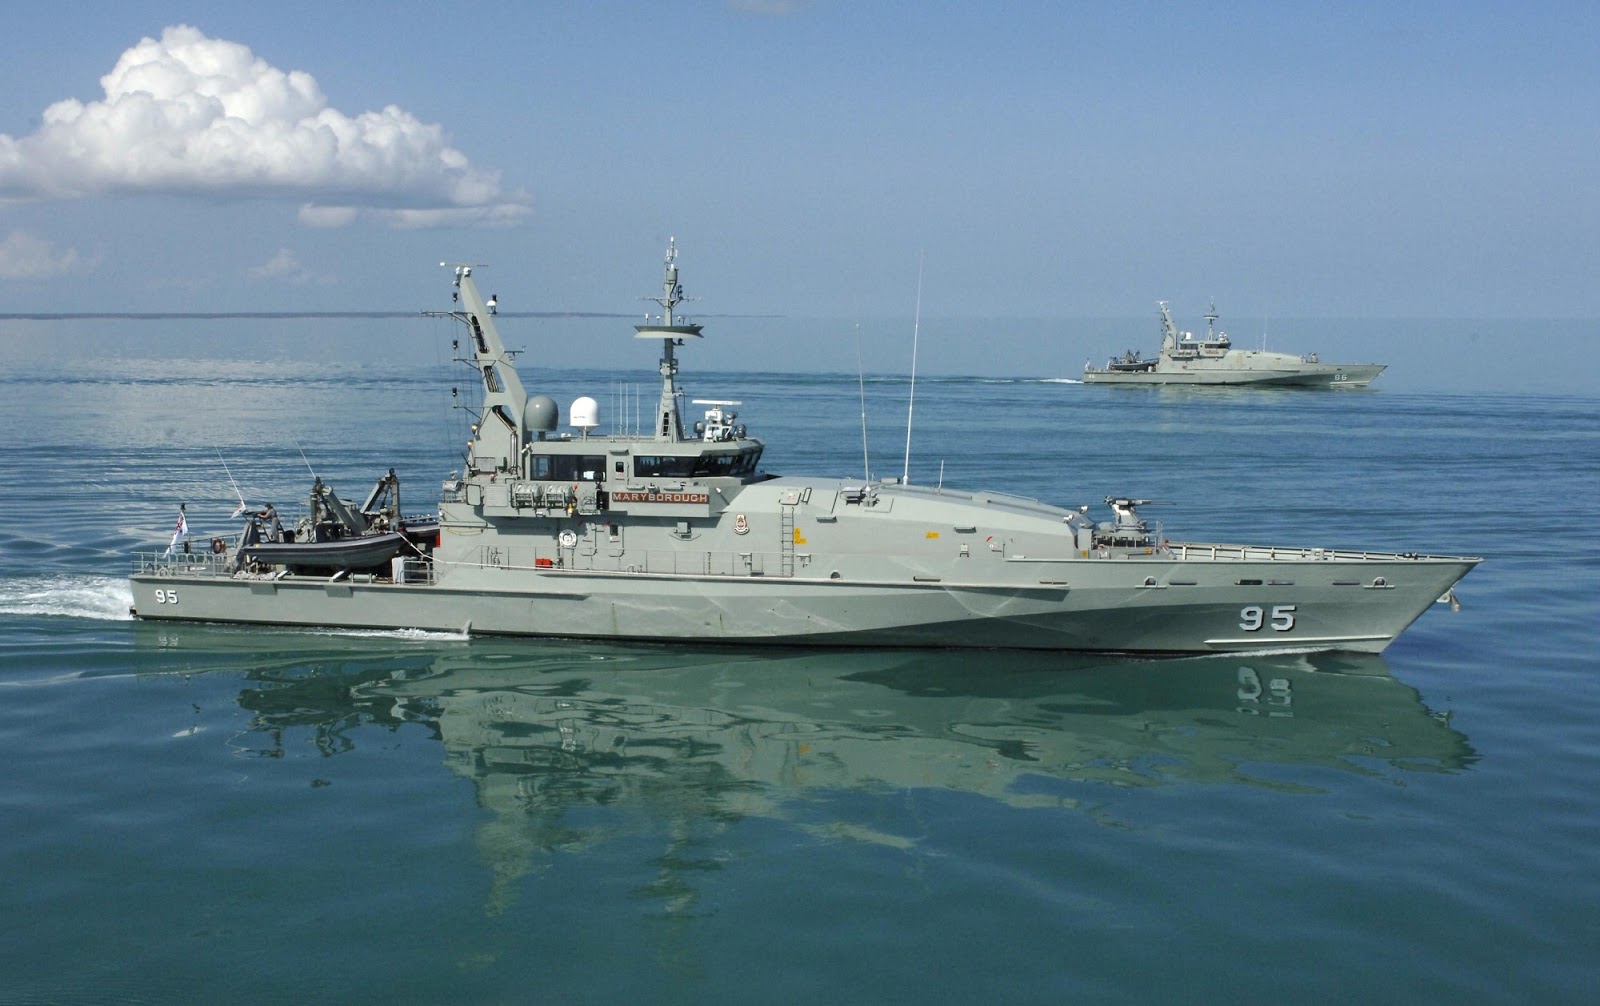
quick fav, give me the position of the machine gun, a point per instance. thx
(1128, 530)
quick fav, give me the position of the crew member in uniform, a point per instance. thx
(268, 516)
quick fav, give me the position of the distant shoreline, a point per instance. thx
(215, 315)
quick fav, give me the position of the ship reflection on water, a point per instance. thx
(681, 741)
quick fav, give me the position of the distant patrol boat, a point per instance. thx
(1183, 359)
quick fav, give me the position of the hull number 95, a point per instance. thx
(1254, 618)
(166, 596)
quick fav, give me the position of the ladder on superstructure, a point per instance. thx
(786, 538)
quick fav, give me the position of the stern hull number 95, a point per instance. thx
(166, 596)
(1254, 618)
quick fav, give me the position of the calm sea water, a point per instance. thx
(224, 814)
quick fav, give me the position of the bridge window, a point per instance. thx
(567, 467)
(666, 466)
(736, 464)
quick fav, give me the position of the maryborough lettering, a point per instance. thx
(628, 496)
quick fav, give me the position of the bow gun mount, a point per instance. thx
(1128, 529)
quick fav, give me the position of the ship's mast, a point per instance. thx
(1169, 331)
(669, 418)
(499, 433)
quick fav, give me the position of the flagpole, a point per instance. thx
(181, 532)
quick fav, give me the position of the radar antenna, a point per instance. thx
(669, 419)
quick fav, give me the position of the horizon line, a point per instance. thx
(280, 315)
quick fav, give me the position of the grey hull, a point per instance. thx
(1190, 606)
(1312, 376)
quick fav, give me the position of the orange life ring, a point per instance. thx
(218, 546)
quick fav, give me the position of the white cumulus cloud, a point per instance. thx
(284, 265)
(189, 114)
(24, 256)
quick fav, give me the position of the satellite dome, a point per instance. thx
(541, 414)
(585, 413)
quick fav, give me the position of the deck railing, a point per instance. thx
(1269, 553)
(183, 563)
(654, 561)
(413, 571)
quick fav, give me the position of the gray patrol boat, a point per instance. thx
(1183, 359)
(679, 535)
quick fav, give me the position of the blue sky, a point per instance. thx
(1382, 160)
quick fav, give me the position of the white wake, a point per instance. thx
(106, 598)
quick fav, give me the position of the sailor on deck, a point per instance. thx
(268, 516)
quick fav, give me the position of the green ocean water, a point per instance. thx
(225, 814)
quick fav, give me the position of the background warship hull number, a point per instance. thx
(1253, 617)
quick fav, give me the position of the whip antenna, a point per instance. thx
(916, 328)
(861, 381)
(236, 490)
(229, 472)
